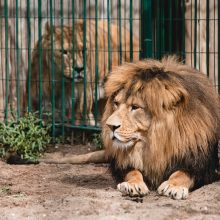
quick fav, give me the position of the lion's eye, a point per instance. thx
(134, 107)
(64, 52)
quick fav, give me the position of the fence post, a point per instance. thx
(6, 62)
(218, 46)
(146, 28)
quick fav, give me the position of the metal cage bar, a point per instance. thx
(6, 62)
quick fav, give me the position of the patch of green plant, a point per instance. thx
(27, 136)
(5, 190)
(97, 140)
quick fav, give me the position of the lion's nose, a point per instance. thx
(113, 122)
(113, 127)
(78, 69)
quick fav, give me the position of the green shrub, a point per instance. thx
(97, 140)
(28, 137)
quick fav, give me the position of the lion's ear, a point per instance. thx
(47, 27)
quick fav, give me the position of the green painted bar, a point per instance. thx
(218, 47)
(63, 106)
(170, 25)
(96, 63)
(162, 28)
(141, 39)
(73, 65)
(17, 60)
(120, 34)
(191, 25)
(158, 31)
(207, 37)
(84, 62)
(82, 127)
(199, 29)
(52, 70)
(195, 33)
(131, 30)
(29, 56)
(6, 62)
(214, 59)
(146, 29)
(183, 30)
(109, 36)
(40, 83)
(124, 46)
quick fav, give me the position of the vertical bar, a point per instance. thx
(96, 62)
(84, 61)
(29, 55)
(195, 32)
(191, 21)
(40, 83)
(218, 46)
(17, 60)
(109, 36)
(131, 31)
(120, 42)
(52, 69)
(170, 24)
(199, 35)
(207, 37)
(183, 29)
(146, 28)
(73, 118)
(158, 31)
(6, 62)
(124, 46)
(63, 107)
(214, 64)
(162, 28)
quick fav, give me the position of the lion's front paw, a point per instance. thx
(133, 189)
(175, 192)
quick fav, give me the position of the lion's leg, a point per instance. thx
(134, 184)
(89, 98)
(177, 186)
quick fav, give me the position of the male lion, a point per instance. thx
(161, 128)
(70, 63)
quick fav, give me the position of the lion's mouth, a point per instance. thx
(119, 141)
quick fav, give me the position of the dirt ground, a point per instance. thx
(64, 191)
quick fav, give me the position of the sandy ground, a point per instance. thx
(55, 191)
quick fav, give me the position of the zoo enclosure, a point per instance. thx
(187, 28)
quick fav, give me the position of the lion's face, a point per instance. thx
(63, 56)
(62, 49)
(129, 122)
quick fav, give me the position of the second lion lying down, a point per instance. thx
(161, 128)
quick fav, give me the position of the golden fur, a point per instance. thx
(103, 56)
(161, 117)
(103, 67)
(44, 47)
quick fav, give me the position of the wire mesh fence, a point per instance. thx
(55, 55)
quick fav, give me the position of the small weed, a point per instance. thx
(5, 190)
(19, 195)
(97, 140)
(28, 137)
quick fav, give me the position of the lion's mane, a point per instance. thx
(185, 125)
